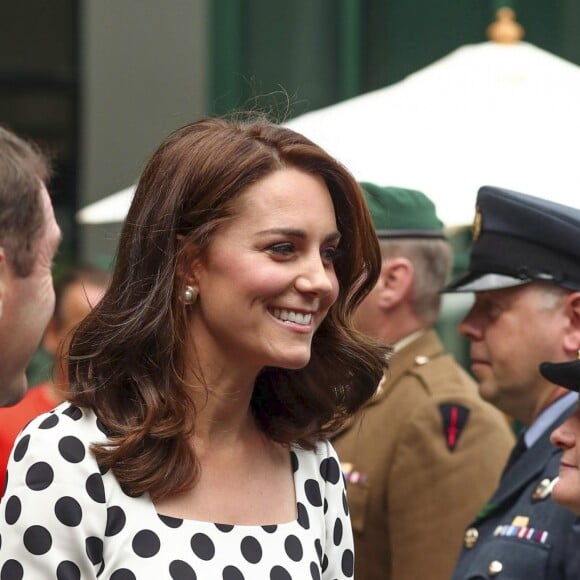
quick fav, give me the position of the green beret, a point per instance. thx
(402, 213)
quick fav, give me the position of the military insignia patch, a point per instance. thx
(454, 420)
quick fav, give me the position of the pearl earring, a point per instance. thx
(190, 294)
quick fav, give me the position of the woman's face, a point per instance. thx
(567, 437)
(268, 279)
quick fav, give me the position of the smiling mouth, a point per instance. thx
(292, 316)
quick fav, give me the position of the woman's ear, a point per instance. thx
(188, 263)
(396, 281)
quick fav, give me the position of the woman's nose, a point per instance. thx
(317, 277)
(563, 436)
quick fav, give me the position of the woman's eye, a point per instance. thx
(282, 249)
(330, 254)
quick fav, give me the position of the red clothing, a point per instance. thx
(37, 400)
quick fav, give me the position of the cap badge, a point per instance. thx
(477, 223)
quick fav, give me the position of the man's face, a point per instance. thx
(27, 305)
(511, 332)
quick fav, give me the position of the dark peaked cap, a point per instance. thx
(519, 238)
(566, 374)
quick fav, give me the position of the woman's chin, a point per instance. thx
(295, 363)
(561, 495)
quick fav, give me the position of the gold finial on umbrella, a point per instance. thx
(505, 29)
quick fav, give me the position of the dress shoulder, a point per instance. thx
(54, 501)
(320, 490)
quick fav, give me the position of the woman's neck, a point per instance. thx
(223, 409)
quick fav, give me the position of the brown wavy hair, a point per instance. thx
(127, 358)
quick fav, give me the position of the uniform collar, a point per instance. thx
(547, 417)
(403, 342)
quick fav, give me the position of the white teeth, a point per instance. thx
(291, 316)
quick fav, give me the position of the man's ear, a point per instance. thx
(396, 281)
(572, 336)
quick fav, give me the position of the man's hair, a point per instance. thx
(432, 260)
(550, 295)
(22, 168)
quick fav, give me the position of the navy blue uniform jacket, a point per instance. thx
(521, 535)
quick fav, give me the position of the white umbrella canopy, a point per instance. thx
(111, 209)
(486, 114)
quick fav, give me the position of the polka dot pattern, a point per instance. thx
(303, 518)
(12, 510)
(202, 546)
(146, 544)
(312, 489)
(123, 574)
(66, 514)
(12, 570)
(39, 476)
(68, 570)
(68, 511)
(95, 488)
(94, 549)
(71, 449)
(37, 540)
(347, 563)
(180, 570)
(50, 422)
(337, 532)
(115, 521)
(314, 571)
(330, 470)
(232, 573)
(21, 448)
(251, 549)
(170, 522)
(73, 412)
(293, 548)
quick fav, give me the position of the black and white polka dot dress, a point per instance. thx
(61, 518)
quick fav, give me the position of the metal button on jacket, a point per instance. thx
(495, 568)
(470, 538)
